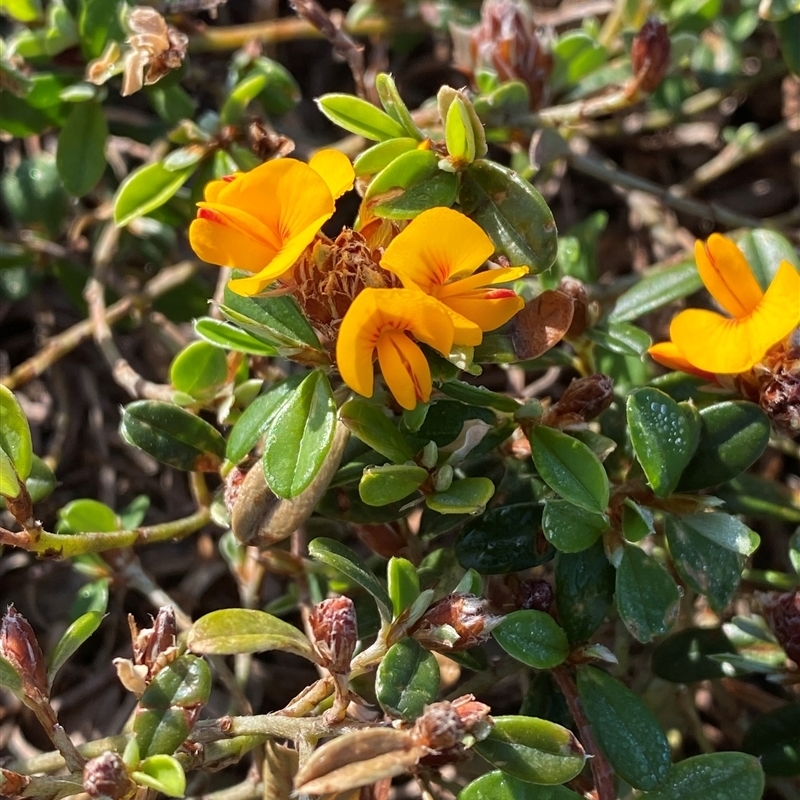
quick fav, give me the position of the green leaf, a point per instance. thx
(230, 631)
(255, 419)
(733, 435)
(464, 496)
(664, 438)
(576, 54)
(147, 189)
(240, 97)
(172, 436)
(277, 319)
(214, 331)
(41, 482)
(10, 678)
(502, 540)
(625, 729)
(199, 369)
(775, 738)
(380, 486)
(81, 156)
(407, 680)
(379, 156)
(533, 750)
(299, 436)
(722, 529)
(336, 555)
(686, 656)
(98, 21)
(402, 583)
(360, 117)
(458, 133)
(570, 528)
(584, 591)
(657, 289)
(499, 786)
(764, 250)
(409, 185)
(717, 776)
(647, 597)
(534, 638)
(22, 10)
(10, 485)
(788, 31)
(281, 94)
(92, 596)
(162, 773)
(622, 338)
(570, 468)
(15, 440)
(370, 424)
(707, 566)
(73, 638)
(480, 396)
(637, 522)
(395, 107)
(512, 212)
(86, 515)
(168, 708)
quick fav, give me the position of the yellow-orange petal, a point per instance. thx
(489, 277)
(213, 188)
(728, 346)
(335, 169)
(727, 275)
(404, 368)
(438, 245)
(668, 355)
(487, 309)
(230, 240)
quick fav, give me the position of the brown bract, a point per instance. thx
(456, 622)
(19, 646)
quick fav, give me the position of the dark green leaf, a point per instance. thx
(370, 424)
(172, 436)
(250, 427)
(240, 96)
(704, 564)
(764, 250)
(360, 117)
(717, 776)
(15, 437)
(98, 21)
(656, 290)
(464, 496)
(683, 657)
(33, 192)
(407, 680)
(41, 481)
(199, 369)
(73, 638)
(242, 630)
(621, 337)
(299, 436)
(81, 156)
(664, 438)
(627, 732)
(647, 598)
(532, 750)
(733, 435)
(336, 555)
(380, 486)
(584, 591)
(499, 786)
(570, 468)
(788, 31)
(637, 522)
(570, 528)
(480, 396)
(512, 212)
(230, 337)
(281, 94)
(534, 638)
(147, 189)
(722, 529)
(775, 738)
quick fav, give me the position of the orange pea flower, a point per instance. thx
(438, 253)
(261, 221)
(706, 343)
(380, 321)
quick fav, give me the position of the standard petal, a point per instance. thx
(405, 369)
(727, 275)
(223, 240)
(778, 313)
(668, 355)
(436, 246)
(213, 188)
(335, 169)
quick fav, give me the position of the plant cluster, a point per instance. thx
(430, 422)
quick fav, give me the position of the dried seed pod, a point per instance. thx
(456, 622)
(650, 54)
(107, 776)
(782, 613)
(583, 400)
(542, 324)
(334, 628)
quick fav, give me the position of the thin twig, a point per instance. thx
(66, 341)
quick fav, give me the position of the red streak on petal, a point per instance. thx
(211, 216)
(499, 294)
(228, 178)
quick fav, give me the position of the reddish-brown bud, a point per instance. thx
(443, 726)
(456, 622)
(576, 291)
(12, 784)
(782, 613)
(583, 400)
(534, 594)
(19, 646)
(157, 646)
(107, 776)
(650, 54)
(508, 42)
(335, 633)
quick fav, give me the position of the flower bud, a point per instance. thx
(157, 646)
(456, 622)
(443, 727)
(782, 613)
(107, 776)
(576, 291)
(650, 54)
(335, 634)
(19, 646)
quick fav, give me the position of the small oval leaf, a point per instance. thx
(534, 638)
(147, 189)
(407, 679)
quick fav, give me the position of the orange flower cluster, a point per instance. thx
(264, 220)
